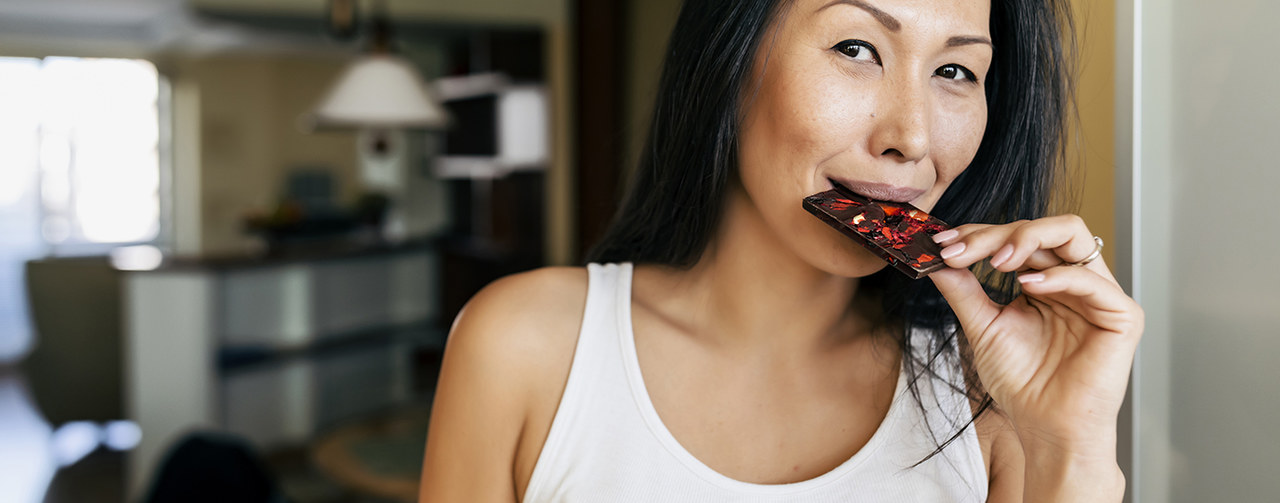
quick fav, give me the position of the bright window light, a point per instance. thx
(79, 168)
(87, 131)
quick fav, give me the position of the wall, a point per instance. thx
(648, 26)
(1204, 181)
(246, 111)
(1091, 148)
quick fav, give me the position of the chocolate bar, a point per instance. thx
(899, 233)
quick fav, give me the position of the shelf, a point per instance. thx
(237, 358)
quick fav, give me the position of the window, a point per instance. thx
(79, 167)
(86, 132)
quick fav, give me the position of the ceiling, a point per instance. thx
(125, 12)
(178, 25)
(132, 26)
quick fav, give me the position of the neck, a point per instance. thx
(750, 291)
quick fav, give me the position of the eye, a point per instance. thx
(955, 72)
(858, 50)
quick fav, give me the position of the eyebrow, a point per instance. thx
(967, 40)
(893, 25)
(883, 17)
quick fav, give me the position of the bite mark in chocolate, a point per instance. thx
(899, 233)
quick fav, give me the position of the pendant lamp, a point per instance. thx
(379, 90)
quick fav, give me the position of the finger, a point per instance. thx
(1095, 298)
(978, 243)
(1036, 244)
(1117, 320)
(957, 233)
(1039, 260)
(1064, 238)
(965, 294)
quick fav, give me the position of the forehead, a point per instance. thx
(950, 16)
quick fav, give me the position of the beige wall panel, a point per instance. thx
(249, 108)
(649, 25)
(1091, 150)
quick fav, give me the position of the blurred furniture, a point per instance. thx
(379, 456)
(75, 371)
(496, 189)
(601, 86)
(206, 467)
(276, 349)
(502, 239)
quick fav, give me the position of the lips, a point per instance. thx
(881, 191)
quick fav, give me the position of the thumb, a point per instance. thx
(964, 293)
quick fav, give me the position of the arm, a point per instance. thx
(1053, 474)
(1045, 473)
(504, 367)
(477, 413)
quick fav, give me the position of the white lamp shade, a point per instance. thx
(380, 91)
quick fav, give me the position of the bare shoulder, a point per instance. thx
(1003, 453)
(525, 326)
(521, 311)
(507, 358)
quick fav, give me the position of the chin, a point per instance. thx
(857, 263)
(827, 250)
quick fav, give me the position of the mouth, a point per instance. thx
(880, 191)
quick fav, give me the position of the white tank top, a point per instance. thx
(608, 444)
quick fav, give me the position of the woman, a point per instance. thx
(735, 348)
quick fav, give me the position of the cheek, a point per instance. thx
(794, 124)
(957, 137)
(831, 112)
(956, 133)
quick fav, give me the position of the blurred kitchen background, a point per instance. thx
(233, 233)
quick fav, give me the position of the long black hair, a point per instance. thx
(674, 202)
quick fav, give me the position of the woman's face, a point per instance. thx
(885, 96)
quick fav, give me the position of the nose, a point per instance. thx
(901, 123)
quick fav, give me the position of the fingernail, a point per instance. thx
(945, 235)
(952, 250)
(1002, 256)
(1031, 278)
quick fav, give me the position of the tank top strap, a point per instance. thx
(595, 377)
(597, 354)
(607, 286)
